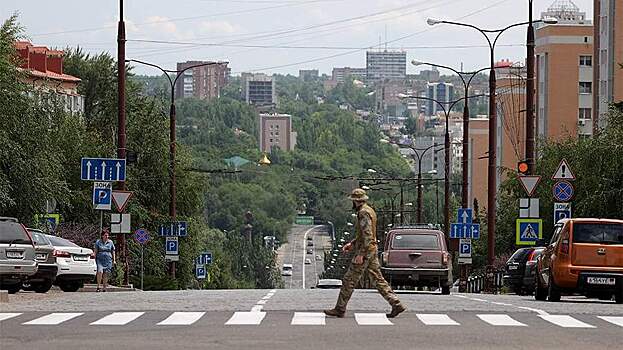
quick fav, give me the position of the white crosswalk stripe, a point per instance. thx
(565, 321)
(246, 318)
(370, 319)
(117, 319)
(181, 319)
(500, 320)
(437, 320)
(308, 319)
(613, 319)
(53, 319)
(7, 315)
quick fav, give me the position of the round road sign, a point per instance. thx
(141, 236)
(563, 191)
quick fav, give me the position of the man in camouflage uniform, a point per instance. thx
(366, 258)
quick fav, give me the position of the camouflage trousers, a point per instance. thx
(353, 275)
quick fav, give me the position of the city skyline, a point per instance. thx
(317, 34)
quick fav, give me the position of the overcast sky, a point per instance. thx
(291, 34)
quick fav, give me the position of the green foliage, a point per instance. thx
(596, 163)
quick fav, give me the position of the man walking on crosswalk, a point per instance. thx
(366, 258)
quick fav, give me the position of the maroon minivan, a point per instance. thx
(417, 257)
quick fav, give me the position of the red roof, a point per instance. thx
(52, 75)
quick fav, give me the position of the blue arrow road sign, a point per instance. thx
(563, 191)
(459, 230)
(172, 246)
(204, 258)
(102, 169)
(174, 229)
(200, 272)
(465, 216)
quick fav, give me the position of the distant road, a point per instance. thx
(295, 252)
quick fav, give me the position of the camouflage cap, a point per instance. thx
(358, 195)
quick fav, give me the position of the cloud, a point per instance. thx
(220, 27)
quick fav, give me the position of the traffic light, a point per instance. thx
(523, 168)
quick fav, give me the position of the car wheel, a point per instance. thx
(69, 287)
(43, 287)
(445, 290)
(553, 294)
(540, 293)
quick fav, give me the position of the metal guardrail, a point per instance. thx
(476, 283)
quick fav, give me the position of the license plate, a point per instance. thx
(42, 256)
(512, 267)
(601, 280)
(81, 257)
(14, 255)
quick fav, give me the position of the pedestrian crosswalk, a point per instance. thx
(257, 318)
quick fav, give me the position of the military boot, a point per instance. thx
(335, 313)
(396, 310)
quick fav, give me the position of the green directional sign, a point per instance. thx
(304, 220)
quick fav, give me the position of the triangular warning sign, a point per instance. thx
(563, 172)
(529, 233)
(529, 183)
(121, 199)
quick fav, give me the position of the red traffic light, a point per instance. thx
(522, 168)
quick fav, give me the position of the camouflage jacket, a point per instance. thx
(365, 240)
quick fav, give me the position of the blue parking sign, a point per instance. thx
(200, 272)
(172, 246)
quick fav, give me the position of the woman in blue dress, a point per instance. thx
(105, 259)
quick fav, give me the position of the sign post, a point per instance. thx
(142, 237)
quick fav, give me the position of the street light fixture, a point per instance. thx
(465, 151)
(492, 156)
(172, 135)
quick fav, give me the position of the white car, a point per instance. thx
(286, 270)
(307, 261)
(76, 265)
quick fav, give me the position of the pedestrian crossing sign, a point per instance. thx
(528, 231)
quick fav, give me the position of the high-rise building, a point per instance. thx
(442, 92)
(564, 74)
(340, 74)
(203, 82)
(608, 54)
(258, 89)
(43, 69)
(381, 65)
(276, 131)
(308, 74)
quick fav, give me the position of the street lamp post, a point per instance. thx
(530, 157)
(492, 168)
(172, 145)
(446, 112)
(419, 154)
(465, 160)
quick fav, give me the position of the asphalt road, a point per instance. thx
(295, 252)
(292, 318)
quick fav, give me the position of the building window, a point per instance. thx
(277, 126)
(277, 133)
(586, 61)
(272, 134)
(585, 113)
(586, 87)
(271, 140)
(272, 126)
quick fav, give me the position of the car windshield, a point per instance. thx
(598, 233)
(423, 242)
(13, 233)
(61, 242)
(39, 238)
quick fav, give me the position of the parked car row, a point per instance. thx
(33, 260)
(584, 256)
